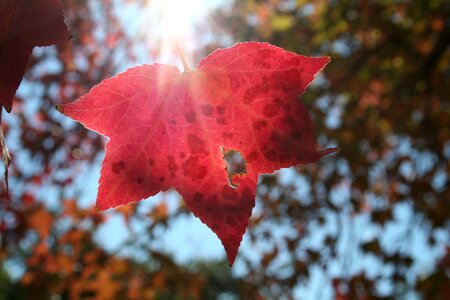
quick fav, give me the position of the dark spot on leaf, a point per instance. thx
(220, 109)
(151, 162)
(198, 197)
(190, 116)
(289, 121)
(227, 135)
(118, 166)
(172, 166)
(281, 141)
(221, 121)
(296, 135)
(139, 180)
(161, 179)
(193, 169)
(275, 137)
(258, 125)
(250, 95)
(271, 110)
(196, 145)
(206, 109)
(182, 155)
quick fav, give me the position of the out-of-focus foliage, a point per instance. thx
(370, 222)
(369, 215)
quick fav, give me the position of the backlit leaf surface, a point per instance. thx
(169, 129)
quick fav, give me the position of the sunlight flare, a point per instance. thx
(169, 25)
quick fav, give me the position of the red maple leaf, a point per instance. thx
(168, 129)
(25, 24)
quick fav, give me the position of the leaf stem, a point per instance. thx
(186, 66)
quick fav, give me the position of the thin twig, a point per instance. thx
(5, 154)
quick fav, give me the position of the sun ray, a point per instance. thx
(166, 26)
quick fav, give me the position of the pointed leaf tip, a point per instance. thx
(328, 151)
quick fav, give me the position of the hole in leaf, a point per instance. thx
(235, 164)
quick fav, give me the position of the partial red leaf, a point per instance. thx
(25, 24)
(168, 129)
